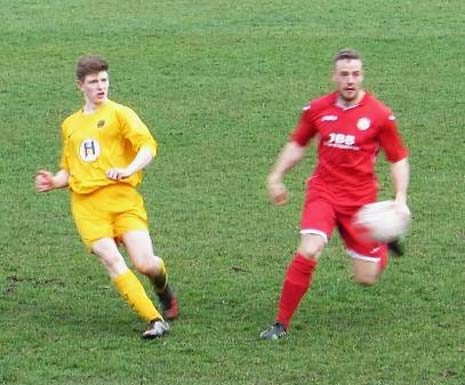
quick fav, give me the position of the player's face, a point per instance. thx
(348, 77)
(95, 87)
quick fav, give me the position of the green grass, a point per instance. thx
(221, 85)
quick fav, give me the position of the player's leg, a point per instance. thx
(396, 248)
(299, 275)
(369, 258)
(297, 280)
(127, 283)
(94, 220)
(317, 224)
(140, 250)
(365, 272)
(131, 226)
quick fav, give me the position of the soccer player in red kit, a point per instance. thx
(351, 127)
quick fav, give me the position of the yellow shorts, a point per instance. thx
(108, 212)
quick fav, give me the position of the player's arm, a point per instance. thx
(47, 181)
(142, 159)
(400, 175)
(397, 155)
(142, 141)
(291, 154)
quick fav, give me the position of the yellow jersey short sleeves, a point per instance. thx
(109, 138)
(93, 143)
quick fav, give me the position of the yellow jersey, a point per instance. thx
(93, 143)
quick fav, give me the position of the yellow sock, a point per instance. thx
(134, 293)
(161, 280)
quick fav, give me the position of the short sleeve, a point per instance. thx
(305, 129)
(136, 132)
(391, 141)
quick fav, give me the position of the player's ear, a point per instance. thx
(79, 84)
(333, 75)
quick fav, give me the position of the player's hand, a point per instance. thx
(118, 173)
(44, 181)
(403, 209)
(277, 192)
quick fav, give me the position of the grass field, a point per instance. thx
(221, 85)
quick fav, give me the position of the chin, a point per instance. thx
(350, 97)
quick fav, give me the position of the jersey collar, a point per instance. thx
(360, 103)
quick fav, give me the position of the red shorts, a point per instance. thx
(320, 216)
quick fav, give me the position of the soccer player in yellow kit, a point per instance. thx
(105, 146)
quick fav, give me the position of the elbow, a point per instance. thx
(403, 161)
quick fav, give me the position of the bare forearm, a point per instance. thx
(142, 159)
(400, 175)
(291, 155)
(47, 181)
(60, 179)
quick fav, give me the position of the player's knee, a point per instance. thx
(366, 273)
(311, 248)
(110, 258)
(365, 279)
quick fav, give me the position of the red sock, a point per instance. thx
(296, 282)
(384, 259)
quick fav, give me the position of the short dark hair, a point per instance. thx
(90, 64)
(346, 54)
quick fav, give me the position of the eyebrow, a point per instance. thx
(96, 79)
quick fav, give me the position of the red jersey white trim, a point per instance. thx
(349, 141)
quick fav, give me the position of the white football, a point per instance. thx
(382, 221)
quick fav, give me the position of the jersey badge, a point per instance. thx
(100, 123)
(89, 150)
(392, 117)
(363, 124)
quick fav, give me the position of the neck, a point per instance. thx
(344, 103)
(90, 108)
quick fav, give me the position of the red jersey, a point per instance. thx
(349, 140)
